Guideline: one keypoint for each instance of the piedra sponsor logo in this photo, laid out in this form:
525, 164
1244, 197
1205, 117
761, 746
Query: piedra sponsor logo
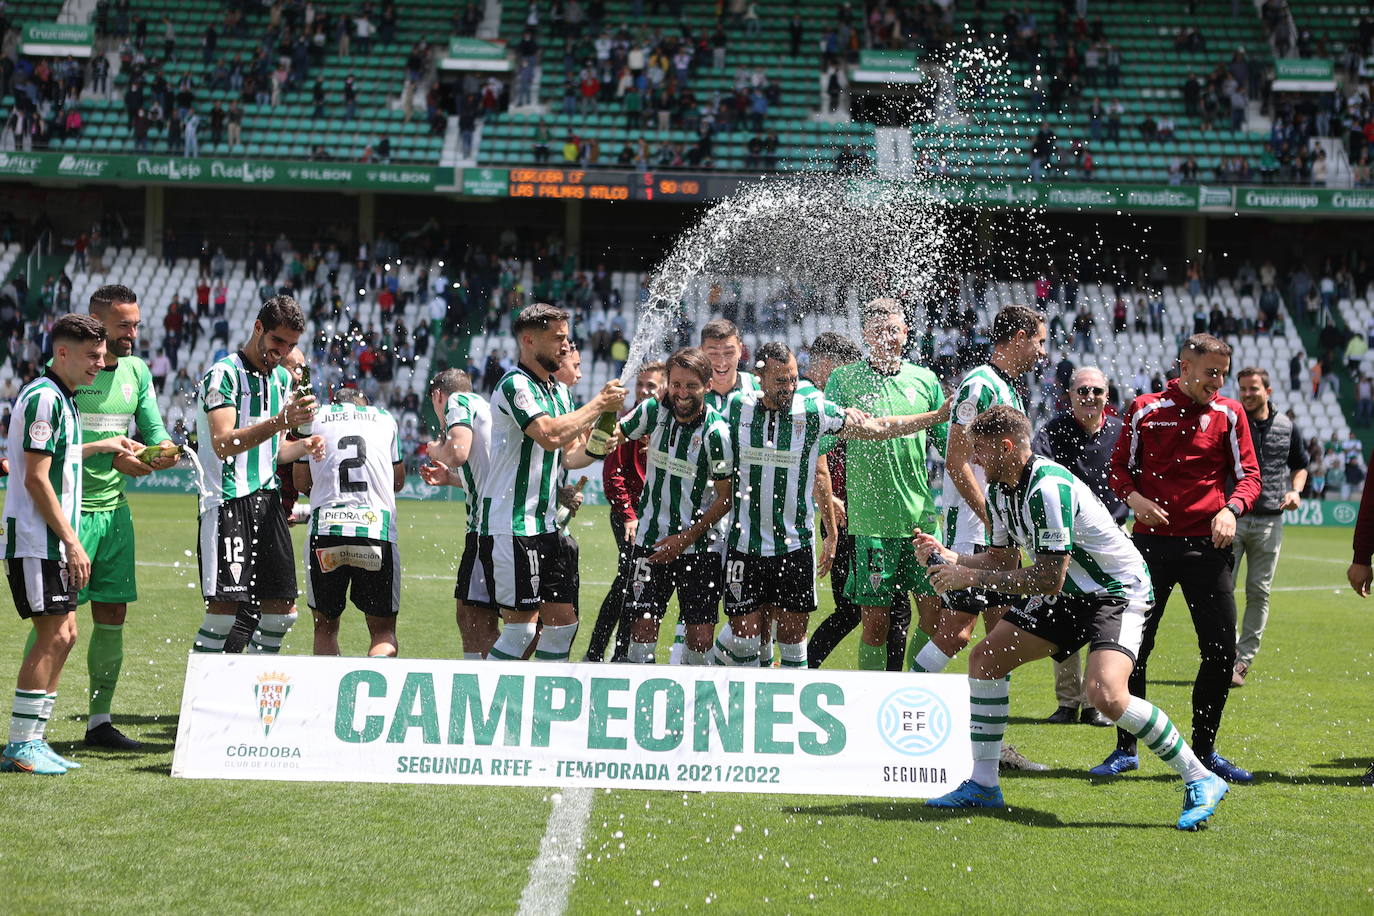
13, 164
82, 166
1288, 200
1224, 198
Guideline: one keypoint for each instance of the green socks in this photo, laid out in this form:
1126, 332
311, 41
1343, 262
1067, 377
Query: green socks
919, 638
104, 657
872, 658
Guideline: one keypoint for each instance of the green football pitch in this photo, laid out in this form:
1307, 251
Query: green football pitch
121, 834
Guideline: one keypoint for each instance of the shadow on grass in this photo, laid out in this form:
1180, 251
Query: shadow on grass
916, 811
157, 769
1342, 763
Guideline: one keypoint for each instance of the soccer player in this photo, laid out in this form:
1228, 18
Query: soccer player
519, 550
723, 346
1186, 466
244, 549
622, 477
1082, 439
460, 460
46, 564
121, 392
770, 574
687, 490
352, 546
889, 493
1259, 534
1018, 343
1087, 586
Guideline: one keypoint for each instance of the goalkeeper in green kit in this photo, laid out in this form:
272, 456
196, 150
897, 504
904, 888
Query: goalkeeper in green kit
122, 392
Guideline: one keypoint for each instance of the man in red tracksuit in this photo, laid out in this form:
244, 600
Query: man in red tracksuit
1361, 571
1186, 466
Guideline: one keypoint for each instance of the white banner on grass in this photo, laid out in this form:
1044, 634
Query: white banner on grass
533, 723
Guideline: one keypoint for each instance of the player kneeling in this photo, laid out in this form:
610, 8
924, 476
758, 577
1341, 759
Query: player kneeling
687, 489
1088, 586
353, 521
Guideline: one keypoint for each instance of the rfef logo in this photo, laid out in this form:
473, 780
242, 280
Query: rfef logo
914, 721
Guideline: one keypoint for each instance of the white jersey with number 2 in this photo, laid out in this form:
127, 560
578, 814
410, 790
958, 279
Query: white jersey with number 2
351, 491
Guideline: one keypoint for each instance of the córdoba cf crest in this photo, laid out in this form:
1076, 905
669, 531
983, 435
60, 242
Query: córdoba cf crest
271, 691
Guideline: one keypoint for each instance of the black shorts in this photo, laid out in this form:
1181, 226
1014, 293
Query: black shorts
527, 571
40, 587
369, 570
787, 582
245, 551
696, 577
1074, 621
474, 583
572, 556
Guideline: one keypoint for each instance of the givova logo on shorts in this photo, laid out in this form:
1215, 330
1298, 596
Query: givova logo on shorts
914, 721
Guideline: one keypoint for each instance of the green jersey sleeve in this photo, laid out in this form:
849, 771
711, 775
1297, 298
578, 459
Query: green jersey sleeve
42, 416
457, 412
219, 388
720, 451
973, 398
517, 400
146, 415
1052, 509
640, 420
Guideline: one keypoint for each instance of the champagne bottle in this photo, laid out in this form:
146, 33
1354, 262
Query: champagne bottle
148, 453
565, 513
599, 440
302, 389
966, 600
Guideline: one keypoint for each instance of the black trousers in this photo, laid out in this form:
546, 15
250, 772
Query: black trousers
846, 616
1207, 577
610, 620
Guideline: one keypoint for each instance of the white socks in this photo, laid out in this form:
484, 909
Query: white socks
987, 724
214, 630
514, 640
28, 716
555, 643
930, 660
272, 629
642, 653
1152, 727
793, 654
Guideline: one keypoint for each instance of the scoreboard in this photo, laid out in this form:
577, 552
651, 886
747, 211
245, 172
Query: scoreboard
539, 182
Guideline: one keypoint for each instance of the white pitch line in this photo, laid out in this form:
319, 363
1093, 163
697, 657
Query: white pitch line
551, 873
1295, 556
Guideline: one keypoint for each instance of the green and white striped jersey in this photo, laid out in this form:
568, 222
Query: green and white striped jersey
775, 468
233, 384
467, 408
744, 381
1052, 511
982, 387
352, 491
682, 461
520, 494
44, 421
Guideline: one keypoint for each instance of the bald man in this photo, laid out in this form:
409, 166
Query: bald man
1082, 438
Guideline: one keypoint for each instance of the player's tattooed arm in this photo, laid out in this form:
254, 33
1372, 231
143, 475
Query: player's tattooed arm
1043, 577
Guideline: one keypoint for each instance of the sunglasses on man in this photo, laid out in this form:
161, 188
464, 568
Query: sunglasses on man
1087, 391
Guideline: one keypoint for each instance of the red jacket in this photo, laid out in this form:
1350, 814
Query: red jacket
1186, 456
622, 477
1364, 526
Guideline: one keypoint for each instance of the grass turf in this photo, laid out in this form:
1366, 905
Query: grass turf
121, 834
